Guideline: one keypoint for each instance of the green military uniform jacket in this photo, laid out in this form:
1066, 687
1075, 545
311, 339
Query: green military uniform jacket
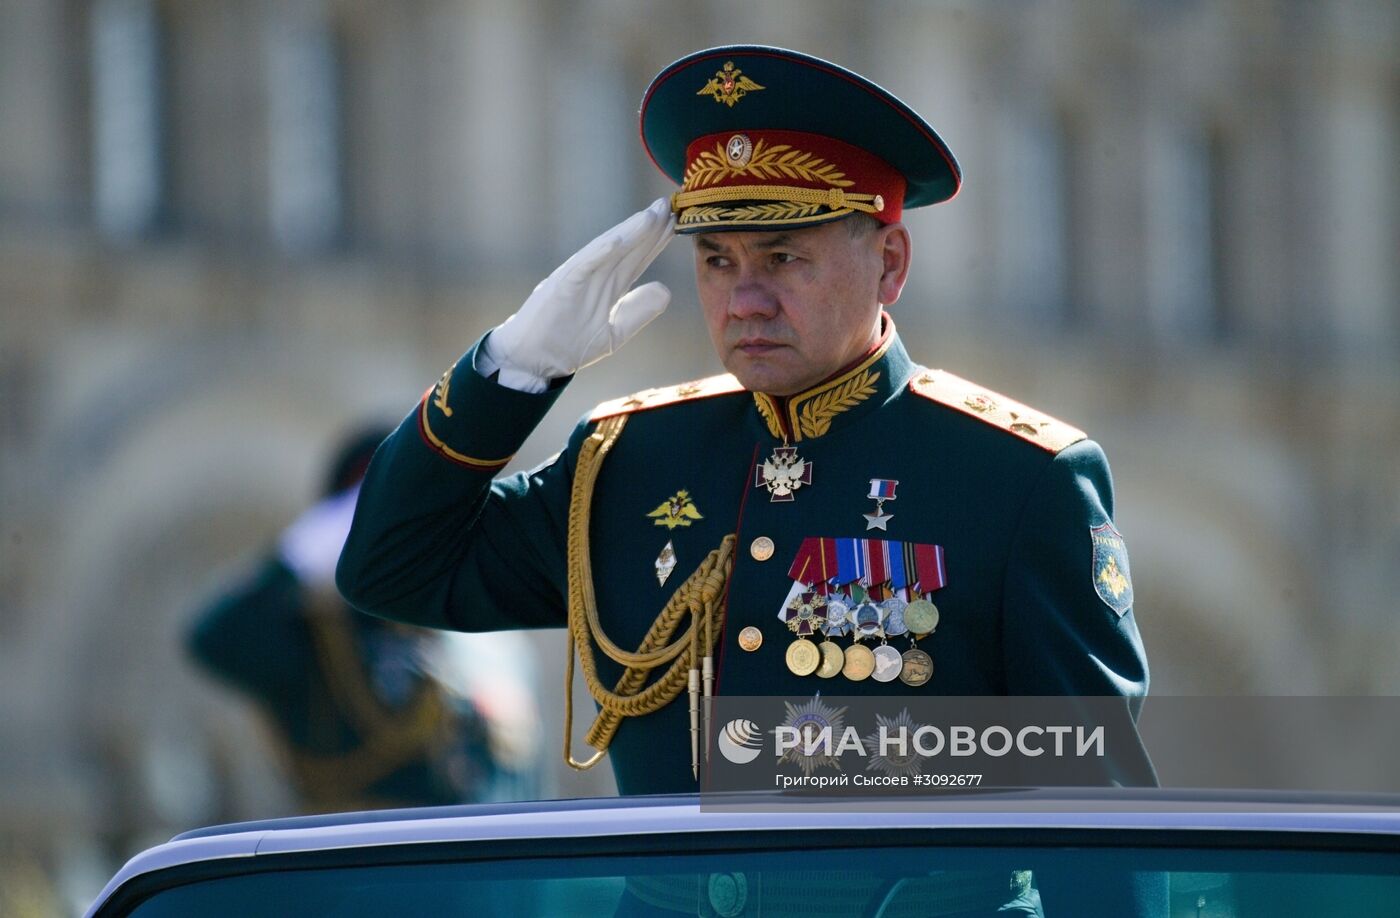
1015, 499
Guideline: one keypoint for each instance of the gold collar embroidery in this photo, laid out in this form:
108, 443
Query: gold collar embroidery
808, 414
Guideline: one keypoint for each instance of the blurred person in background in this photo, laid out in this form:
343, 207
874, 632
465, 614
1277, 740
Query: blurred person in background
365, 713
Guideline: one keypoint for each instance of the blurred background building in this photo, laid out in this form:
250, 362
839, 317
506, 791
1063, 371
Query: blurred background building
228, 228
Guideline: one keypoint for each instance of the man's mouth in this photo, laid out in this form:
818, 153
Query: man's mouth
757, 347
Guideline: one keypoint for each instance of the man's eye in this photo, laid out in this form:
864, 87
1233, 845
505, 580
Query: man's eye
783, 258
717, 261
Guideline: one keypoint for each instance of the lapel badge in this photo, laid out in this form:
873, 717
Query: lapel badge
677, 510
665, 563
782, 473
729, 85
1112, 581
881, 490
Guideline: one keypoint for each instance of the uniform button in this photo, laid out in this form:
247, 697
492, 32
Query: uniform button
761, 548
750, 638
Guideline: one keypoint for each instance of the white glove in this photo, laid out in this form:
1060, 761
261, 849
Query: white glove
583, 311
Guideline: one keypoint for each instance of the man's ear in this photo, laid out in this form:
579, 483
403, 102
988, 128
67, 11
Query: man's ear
895, 250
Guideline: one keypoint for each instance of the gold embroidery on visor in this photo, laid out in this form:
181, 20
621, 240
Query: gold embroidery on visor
799, 201
697, 202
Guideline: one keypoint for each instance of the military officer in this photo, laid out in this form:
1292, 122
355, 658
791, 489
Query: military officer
828, 515
354, 710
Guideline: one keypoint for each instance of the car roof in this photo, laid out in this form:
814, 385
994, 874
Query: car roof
1114, 809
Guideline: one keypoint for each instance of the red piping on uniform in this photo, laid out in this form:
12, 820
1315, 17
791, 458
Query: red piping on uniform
418, 410
738, 528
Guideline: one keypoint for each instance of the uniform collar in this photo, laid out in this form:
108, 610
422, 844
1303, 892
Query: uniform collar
845, 396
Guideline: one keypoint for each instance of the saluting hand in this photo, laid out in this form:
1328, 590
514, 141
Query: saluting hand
584, 310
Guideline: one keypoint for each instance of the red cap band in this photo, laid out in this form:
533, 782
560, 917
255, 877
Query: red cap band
796, 160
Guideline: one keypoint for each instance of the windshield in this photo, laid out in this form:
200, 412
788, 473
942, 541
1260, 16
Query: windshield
876, 882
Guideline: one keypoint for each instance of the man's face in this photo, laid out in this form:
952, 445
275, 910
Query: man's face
787, 309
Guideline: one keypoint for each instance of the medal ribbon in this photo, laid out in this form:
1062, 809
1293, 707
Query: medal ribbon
911, 571
928, 565
899, 577
882, 488
826, 557
804, 566
879, 561
850, 561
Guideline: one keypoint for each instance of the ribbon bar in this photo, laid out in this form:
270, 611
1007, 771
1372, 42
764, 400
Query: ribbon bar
882, 488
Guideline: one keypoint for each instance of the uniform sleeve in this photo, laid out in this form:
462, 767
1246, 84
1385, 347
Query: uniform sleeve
1065, 630
437, 541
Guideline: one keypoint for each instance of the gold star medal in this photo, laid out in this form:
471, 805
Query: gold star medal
881, 490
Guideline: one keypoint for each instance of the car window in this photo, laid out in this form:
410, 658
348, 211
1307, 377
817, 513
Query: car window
874, 882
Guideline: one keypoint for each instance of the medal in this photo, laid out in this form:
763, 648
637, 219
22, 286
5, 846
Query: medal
894, 616
867, 619
783, 473
750, 639
833, 659
761, 548
803, 657
921, 617
838, 618
859, 664
881, 490
917, 668
888, 664
804, 613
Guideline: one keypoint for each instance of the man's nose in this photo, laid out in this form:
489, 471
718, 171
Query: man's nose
751, 299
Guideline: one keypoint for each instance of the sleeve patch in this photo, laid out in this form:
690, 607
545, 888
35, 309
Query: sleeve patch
1112, 580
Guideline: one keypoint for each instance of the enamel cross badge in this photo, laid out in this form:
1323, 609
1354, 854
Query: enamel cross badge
783, 473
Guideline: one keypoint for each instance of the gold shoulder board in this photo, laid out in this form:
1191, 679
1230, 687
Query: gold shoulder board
667, 395
996, 409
